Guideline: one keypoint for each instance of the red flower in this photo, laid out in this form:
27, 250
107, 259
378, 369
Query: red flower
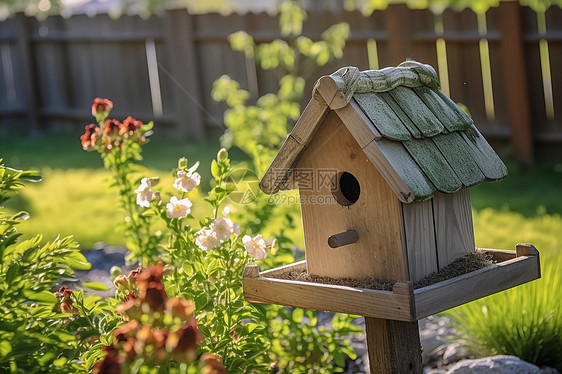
111, 363
111, 127
187, 338
90, 137
129, 126
101, 107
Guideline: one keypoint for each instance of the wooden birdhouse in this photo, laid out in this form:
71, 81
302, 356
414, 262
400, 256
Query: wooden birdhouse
383, 161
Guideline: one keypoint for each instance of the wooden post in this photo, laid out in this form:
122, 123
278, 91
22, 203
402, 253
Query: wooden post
515, 82
399, 35
183, 72
393, 346
25, 52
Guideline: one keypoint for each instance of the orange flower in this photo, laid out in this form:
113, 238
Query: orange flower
131, 308
67, 307
152, 274
111, 127
121, 334
154, 295
185, 342
90, 137
64, 292
211, 364
129, 126
101, 108
181, 308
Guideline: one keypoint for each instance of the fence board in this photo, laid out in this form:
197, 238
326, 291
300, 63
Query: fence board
463, 57
554, 26
533, 65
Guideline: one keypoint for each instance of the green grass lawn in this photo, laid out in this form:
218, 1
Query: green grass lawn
74, 197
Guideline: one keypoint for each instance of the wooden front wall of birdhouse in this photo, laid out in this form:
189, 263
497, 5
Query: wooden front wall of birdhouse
375, 216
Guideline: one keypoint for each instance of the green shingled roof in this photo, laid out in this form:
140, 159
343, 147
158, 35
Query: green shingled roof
421, 137
407, 107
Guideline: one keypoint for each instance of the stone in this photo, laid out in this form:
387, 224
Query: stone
494, 365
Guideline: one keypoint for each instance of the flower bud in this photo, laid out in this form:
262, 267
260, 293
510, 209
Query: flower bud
274, 247
182, 163
121, 283
157, 197
115, 271
154, 181
222, 155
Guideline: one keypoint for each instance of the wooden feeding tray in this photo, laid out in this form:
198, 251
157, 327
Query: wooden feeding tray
403, 303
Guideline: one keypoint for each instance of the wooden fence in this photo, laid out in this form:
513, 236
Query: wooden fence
504, 66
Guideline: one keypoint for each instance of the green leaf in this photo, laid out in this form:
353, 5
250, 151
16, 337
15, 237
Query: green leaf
20, 216
79, 265
40, 297
97, 286
297, 315
215, 169
148, 213
31, 176
5, 348
12, 272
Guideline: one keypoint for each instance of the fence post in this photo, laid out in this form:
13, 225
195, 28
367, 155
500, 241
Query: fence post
23, 45
515, 82
398, 20
183, 71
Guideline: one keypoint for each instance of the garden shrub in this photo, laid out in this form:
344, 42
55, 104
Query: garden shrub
38, 331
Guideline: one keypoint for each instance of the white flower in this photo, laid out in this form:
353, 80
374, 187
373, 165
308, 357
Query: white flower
144, 193
236, 226
188, 180
178, 208
206, 239
255, 246
223, 227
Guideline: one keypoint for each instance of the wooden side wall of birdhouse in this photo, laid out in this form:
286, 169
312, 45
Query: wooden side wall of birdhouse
376, 216
437, 232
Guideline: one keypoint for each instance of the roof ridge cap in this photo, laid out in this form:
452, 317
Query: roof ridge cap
349, 80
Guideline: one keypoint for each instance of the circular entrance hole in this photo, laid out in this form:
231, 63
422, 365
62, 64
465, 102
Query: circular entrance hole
346, 189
